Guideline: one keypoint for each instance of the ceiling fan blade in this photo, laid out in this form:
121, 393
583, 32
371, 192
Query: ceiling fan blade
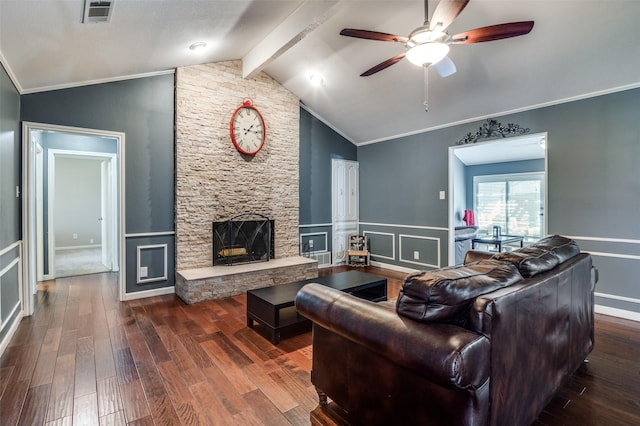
493, 32
445, 67
445, 13
382, 65
372, 35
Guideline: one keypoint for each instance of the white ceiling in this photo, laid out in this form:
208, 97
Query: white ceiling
520, 148
577, 48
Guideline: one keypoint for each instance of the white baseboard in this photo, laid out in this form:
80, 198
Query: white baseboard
620, 313
7, 338
149, 293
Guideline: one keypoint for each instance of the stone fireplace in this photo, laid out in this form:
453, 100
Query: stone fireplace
214, 181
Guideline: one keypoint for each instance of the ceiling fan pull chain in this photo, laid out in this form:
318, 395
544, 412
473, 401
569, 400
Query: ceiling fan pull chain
426, 88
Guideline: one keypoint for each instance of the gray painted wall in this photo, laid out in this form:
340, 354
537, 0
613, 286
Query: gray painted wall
593, 185
319, 144
144, 110
10, 205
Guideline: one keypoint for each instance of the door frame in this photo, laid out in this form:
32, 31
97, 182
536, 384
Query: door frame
29, 203
108, 190
499, 142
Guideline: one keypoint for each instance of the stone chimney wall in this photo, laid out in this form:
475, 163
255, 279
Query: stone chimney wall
213, 180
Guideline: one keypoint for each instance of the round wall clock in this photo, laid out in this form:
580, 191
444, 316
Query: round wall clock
248, 132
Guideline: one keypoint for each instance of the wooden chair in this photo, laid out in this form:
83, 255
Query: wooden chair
358, 252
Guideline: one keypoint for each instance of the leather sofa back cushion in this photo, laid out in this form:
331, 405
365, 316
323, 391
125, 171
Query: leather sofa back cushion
542, 256
445, 295
530, 260
562, 247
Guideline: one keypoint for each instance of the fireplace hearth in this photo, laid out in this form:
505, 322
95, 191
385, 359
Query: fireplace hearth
245, 238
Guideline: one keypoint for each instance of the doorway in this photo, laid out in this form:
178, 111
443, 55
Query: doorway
78, 235
73, 188
509, 156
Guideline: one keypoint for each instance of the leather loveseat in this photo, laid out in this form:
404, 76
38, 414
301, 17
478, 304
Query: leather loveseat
488, 342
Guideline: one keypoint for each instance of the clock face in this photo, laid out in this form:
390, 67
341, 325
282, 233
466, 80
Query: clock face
247, 129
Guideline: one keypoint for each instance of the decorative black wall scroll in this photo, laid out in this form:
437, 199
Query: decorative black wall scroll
492, 129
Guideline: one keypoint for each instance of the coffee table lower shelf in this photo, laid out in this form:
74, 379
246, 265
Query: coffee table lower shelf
273, 307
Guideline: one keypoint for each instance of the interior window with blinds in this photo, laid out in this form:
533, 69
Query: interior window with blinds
515, 202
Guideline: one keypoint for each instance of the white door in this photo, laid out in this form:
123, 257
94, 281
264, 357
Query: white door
345, 215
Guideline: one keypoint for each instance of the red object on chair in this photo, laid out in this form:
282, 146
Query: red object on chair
469, 218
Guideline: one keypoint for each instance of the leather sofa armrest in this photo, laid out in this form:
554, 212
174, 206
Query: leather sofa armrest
475, 255
443, 353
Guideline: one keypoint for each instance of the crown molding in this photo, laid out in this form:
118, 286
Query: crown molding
97, 81
12, 76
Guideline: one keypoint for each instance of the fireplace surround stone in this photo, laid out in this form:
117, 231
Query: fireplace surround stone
200, 284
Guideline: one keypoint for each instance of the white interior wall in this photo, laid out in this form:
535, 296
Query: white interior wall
77, 202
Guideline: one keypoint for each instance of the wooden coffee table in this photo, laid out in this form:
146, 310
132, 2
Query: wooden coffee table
273, 307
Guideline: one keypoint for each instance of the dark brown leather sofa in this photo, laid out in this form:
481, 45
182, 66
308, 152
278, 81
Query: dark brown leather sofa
488, 342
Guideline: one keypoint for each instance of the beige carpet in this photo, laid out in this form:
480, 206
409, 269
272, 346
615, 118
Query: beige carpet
79, 262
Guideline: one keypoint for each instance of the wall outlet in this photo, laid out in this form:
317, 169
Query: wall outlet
75, 236
91, 241
416, 255
443, 195
144, 272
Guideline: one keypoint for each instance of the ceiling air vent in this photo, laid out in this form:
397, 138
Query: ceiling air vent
97, 11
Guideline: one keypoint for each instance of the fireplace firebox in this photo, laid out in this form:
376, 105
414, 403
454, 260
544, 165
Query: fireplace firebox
245, 238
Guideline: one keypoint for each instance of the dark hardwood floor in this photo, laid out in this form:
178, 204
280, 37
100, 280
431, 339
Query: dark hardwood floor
84, 358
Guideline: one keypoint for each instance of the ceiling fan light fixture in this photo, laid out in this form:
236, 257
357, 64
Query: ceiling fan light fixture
427, 53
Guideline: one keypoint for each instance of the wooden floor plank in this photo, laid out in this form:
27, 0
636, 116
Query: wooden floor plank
158, 400
233, 372
272, 389
113, 419
5, 376
109, 400
102, 367
61, 398
125, 366
34, 411
12, 401
225, 391
209, 406
264, 409
134, 401
85, 410
105, 364
44, 369
85, 374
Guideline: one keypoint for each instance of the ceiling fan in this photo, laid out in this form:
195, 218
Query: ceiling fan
428, 45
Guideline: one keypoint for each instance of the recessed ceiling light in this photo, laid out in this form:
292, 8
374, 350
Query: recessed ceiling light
316, 80
198, 46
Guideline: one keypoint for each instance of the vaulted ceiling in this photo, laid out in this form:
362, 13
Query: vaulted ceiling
577, 48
